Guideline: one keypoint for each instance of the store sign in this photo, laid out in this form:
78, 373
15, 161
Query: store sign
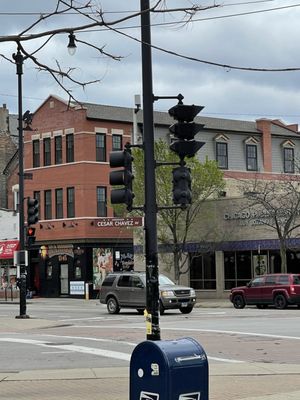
7, 248
119, 222
77, 287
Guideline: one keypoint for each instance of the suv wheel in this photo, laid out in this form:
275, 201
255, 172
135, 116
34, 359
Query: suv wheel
161, 309
280, 302
112, 306
186, 310
238, 301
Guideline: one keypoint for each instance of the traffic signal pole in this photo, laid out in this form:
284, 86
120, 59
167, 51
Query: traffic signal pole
152, 285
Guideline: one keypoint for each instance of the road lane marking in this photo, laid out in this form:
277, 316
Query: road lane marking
268, 335
78, 349
90, 350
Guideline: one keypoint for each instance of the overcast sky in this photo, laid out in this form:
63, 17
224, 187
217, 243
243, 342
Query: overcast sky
239, 33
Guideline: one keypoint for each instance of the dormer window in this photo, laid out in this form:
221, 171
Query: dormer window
222, 151
251, 157
288, 160
288, 157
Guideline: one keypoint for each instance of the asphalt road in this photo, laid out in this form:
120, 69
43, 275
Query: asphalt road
81, 334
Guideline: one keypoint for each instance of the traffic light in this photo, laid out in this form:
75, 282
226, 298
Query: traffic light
30, 234
185, 129
122, 177
32, 211
182, 192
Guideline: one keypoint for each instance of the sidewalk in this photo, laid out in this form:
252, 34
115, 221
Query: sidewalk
227, 382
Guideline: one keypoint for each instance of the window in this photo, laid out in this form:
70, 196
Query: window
47, 205
125, 281
203, 271
37, 196
70, 148
251, 157
100, 147
116, 142
222, 155
257, 282
59, 203
237, 268
47, 151
36, 153
270, 280
58, 149
101, 202
288, 157
283, 280
70, 202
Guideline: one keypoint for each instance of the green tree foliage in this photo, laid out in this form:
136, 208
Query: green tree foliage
174, 225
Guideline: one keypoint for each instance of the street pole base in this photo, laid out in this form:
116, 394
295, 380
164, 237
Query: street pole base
24, 316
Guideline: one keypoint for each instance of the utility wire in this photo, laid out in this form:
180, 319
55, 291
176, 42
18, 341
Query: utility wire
215, 64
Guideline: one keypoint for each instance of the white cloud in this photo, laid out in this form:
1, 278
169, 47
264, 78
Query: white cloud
266, 39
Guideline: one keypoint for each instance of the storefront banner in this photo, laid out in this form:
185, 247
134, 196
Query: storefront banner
8, 247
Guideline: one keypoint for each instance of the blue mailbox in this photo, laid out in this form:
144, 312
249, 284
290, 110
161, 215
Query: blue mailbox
169, 370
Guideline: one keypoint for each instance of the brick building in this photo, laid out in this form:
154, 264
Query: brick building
67, 153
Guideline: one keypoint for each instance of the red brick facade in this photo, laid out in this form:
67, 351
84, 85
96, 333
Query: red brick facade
55, 118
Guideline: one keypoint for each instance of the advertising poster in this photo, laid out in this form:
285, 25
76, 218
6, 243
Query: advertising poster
102, 265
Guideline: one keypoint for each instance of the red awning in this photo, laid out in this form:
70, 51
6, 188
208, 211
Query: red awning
7, 248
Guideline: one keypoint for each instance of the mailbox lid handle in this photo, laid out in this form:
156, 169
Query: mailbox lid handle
191, 358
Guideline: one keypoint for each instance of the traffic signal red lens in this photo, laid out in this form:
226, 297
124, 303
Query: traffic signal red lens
30, 231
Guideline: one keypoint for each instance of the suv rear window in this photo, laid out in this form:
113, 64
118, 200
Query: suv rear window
109, 280
296, 280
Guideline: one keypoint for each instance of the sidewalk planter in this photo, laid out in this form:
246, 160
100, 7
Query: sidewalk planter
168, 370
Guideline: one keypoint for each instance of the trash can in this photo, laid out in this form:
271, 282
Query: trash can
169, 370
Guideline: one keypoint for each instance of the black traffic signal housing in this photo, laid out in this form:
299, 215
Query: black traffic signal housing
182, 191
30, 235
122, 177
32, 211
185, 129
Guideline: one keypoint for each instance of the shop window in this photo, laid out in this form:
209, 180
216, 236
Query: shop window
78, 270
237, 268
203, 271
49, 271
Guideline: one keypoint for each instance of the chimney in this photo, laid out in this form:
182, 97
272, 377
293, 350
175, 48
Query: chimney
264, 126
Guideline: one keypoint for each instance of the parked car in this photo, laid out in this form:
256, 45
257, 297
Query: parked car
128, 290
279, 290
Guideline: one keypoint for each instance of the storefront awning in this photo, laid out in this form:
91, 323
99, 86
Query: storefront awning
7, 248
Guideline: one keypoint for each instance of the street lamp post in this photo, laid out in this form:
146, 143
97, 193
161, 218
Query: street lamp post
18, 57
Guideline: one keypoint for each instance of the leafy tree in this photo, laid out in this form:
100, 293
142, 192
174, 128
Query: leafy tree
174, 225
276, 205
